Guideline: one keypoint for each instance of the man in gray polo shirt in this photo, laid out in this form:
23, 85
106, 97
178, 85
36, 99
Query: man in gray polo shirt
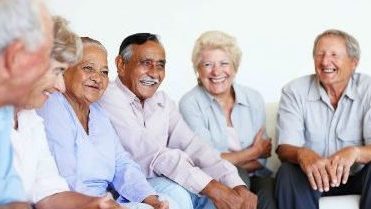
324, 128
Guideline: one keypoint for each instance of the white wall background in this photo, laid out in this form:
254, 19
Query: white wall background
276, 36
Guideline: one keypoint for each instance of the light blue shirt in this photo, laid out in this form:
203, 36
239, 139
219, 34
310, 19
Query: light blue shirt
11, 188
90, 163
306, 117
205, 116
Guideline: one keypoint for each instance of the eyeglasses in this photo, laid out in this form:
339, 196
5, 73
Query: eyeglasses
212, 65
91, 70
150, 63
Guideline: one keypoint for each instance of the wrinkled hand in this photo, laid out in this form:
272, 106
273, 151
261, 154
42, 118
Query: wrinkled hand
341, 162
222, 196
316, 168
263, 146
250, 200
153, 201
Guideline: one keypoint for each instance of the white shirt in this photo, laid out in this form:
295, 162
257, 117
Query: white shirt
33, 161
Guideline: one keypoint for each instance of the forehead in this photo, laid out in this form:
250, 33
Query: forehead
94, 53
331, 42
214, 54
149, 49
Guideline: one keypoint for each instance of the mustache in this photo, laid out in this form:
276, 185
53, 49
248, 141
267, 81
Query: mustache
148, 79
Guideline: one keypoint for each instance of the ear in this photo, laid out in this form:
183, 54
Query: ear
13, 57
120, 65
354, 64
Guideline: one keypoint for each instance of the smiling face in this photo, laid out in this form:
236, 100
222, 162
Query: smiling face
144, 71
333, 65
51, 81
87, 81
216, 71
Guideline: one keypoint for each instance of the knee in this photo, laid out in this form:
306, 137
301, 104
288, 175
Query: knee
289, 174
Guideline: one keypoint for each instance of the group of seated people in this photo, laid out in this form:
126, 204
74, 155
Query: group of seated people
70, 139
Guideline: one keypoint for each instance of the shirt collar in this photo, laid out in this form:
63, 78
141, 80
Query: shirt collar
316, 91
156, 98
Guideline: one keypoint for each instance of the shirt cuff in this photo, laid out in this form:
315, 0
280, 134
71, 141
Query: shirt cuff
197, 181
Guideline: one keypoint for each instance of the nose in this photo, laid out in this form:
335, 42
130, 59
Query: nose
152, 71
216, 69
326, 59
59, 84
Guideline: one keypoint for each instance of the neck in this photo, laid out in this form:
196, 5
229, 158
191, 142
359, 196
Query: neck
335, 92
226, 101
81, 108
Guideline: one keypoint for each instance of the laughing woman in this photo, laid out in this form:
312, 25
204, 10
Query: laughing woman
229, 116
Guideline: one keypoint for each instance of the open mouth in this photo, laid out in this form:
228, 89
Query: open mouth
328, 70
217, 80
149, 81
93, 86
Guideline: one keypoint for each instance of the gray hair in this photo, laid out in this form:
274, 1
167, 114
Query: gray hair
125, 50
216, 40
90, 41
67, 46
351, 44
20, 19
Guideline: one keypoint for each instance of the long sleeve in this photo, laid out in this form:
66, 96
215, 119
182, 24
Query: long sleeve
129, 180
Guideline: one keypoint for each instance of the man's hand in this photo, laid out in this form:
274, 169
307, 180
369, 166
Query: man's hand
316, 168
222, 196
153, 201
250, 200
341, 162
263, 146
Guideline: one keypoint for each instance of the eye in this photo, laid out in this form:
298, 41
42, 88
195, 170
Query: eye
104, 72
207, 64
58, 70
88, 69
147, 63
224, 64
160, 66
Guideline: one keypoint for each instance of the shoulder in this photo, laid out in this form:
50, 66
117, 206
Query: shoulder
248, 95
303, 82
195, 95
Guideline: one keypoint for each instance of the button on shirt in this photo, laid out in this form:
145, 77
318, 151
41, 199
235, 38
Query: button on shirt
11, 188
307, 118
205, 116
33, 161
91, 162
162, 143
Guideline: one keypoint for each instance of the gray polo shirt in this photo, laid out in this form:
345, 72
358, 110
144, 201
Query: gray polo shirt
307, 118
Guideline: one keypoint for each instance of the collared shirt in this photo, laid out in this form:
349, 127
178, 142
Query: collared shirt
307, 118
91, 162
162, 143
33, 161
206, 117
11, 188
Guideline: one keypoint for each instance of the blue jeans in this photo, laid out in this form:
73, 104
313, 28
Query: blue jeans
179, 197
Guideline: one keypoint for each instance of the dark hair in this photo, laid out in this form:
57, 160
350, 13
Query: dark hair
137, 38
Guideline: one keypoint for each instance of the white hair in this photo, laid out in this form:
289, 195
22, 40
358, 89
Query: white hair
20, 19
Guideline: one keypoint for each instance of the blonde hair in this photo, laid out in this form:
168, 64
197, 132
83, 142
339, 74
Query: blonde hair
216, 40
67, 46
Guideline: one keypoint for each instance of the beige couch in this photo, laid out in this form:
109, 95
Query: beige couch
336, 202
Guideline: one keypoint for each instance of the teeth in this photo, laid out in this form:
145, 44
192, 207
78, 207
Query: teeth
218, 80
329, 70
149, 82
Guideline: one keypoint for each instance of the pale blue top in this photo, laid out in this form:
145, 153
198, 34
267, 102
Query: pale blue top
91, 162
205, 116
306, 117
11, 188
